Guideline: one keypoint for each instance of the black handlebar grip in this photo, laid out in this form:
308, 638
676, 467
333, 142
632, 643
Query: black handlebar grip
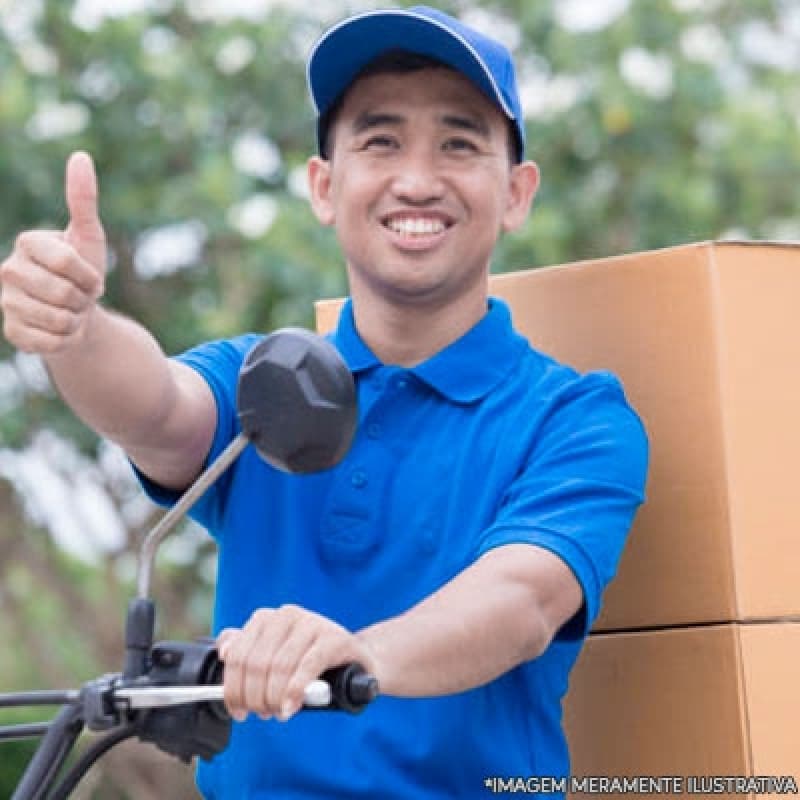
352, 688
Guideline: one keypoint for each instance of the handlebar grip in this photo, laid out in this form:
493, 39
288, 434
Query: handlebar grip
352, 688
177, 664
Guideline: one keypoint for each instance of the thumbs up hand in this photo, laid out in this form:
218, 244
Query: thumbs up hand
50, 284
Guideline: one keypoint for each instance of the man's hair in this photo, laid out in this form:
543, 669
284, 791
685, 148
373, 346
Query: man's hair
393, 62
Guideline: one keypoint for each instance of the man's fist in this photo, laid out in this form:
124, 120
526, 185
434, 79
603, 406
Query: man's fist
50, 284
270, 661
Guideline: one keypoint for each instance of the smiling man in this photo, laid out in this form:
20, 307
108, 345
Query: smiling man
419, 183
460, 550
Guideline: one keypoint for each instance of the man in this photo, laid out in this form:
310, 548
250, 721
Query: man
460, 550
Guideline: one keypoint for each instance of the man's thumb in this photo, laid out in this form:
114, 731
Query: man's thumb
85, 231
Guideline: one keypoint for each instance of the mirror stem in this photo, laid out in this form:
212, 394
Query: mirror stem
179, 510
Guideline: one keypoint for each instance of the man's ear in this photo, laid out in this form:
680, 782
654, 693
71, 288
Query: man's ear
319, 182
522, 189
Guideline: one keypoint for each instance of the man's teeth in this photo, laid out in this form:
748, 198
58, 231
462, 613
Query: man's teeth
416, 227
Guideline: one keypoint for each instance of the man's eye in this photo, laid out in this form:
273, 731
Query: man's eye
459, 144
379, 142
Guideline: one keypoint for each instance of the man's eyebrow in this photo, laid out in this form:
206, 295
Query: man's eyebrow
370, 119
474, 124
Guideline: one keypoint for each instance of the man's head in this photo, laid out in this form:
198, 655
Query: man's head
398, 40
426, 131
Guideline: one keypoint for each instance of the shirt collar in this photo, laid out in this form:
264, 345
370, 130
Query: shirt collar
469, 368
355, 352
464, 371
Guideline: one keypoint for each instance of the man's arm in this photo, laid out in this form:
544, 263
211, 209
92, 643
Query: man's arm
120, 383
499, 612
109, 369
502, 611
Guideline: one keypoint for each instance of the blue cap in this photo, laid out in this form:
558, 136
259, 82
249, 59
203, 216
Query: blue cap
342, 52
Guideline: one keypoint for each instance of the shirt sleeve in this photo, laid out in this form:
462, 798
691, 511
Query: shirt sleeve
579, 491
218, 363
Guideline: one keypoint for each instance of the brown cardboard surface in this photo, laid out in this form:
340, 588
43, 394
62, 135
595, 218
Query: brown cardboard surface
706, 339
758, 343
718, 701
771, 668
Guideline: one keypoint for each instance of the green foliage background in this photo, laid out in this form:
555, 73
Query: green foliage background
623, 170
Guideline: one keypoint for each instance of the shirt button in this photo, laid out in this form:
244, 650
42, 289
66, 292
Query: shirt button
402, 383
359, 479
374, 430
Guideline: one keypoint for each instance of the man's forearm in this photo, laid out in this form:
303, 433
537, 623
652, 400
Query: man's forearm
500, 612
120, 383
116, 380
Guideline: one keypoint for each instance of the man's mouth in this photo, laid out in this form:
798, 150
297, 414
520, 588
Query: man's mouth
416, 226
417, 230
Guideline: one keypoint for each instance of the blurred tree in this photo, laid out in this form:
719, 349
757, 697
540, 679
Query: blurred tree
674, 121
654, 123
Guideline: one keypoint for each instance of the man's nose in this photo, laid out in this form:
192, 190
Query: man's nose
418, 181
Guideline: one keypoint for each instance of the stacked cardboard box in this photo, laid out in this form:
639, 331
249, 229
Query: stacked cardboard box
693, 668
717, 700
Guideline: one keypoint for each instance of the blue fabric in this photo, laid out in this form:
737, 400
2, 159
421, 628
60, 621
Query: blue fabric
487, 443
344, 50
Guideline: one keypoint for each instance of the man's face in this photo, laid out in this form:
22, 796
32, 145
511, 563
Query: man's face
419, 186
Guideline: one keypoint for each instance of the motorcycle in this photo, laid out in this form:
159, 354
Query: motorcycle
296, 404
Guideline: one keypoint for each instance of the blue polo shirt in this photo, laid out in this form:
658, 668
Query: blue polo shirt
487, 443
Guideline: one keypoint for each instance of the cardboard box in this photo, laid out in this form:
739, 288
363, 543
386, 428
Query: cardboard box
706, 339
719, 700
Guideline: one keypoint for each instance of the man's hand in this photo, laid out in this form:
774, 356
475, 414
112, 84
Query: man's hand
50, 284
270, 661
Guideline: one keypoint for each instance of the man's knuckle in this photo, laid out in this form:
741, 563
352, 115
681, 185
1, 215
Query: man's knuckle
57, 320
6, 302
69, 297
61, 262
259, 620
291, 612
14, 328
72, 324
313, 664
259, 663
295, 692
97, 285
282, 667
9, 329
23, 241
9, 270
234, 660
